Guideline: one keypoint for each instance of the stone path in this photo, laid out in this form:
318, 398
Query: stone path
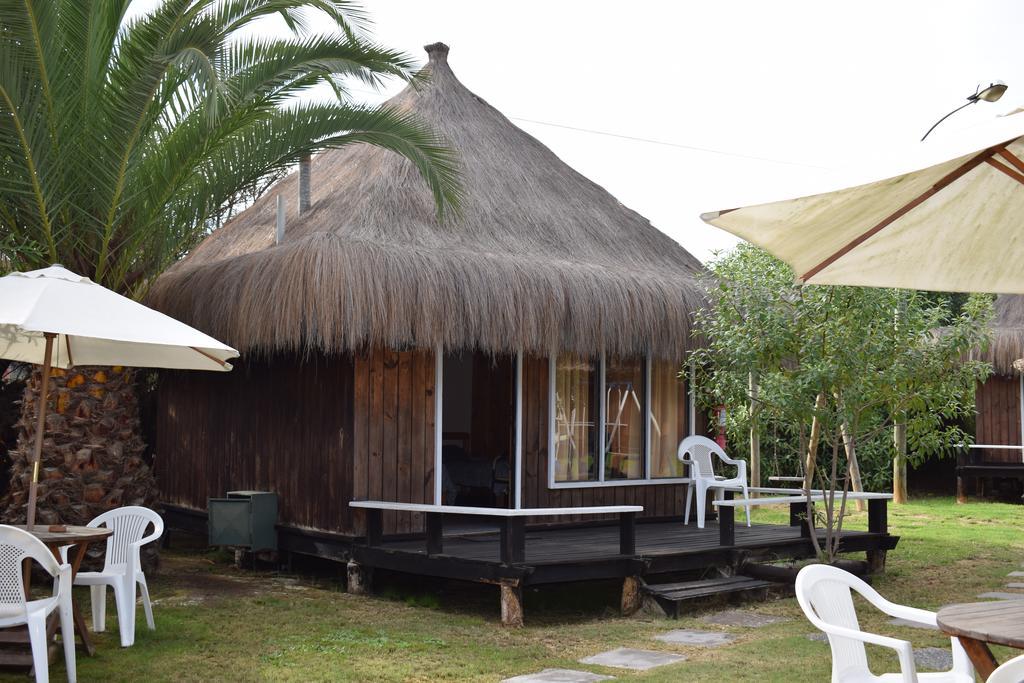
696, 638
735, 617
642, 660
559, 676
1001, 595
926, 658
629, 658
912, 624
934, 658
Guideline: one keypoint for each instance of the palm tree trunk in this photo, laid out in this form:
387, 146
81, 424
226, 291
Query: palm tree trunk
92, 448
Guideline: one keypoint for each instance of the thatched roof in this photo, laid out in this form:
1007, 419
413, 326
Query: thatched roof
540, 259
1007, 340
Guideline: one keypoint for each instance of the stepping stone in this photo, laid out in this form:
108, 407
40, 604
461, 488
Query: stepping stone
559, 676
698, 638
1016, 574
628, 658
819, 637
1015, 584
735, 617
1001, 595
934, 658
912, 624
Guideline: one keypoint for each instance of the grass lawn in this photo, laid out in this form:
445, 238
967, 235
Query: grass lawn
216, 623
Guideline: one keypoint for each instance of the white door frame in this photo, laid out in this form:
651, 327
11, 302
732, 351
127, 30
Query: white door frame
517, 493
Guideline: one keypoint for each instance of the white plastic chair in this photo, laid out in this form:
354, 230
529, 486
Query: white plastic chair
15, 609
122, 569
1011, 671
696, 451
825, 595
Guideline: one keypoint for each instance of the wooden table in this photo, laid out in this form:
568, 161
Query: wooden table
977, 624
80, 537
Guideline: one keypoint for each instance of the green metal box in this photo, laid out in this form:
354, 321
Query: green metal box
244, 518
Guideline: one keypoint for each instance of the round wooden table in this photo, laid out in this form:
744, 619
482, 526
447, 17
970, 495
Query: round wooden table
977, 624
80, 537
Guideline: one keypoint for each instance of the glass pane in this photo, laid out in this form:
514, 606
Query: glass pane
624, 418
669, 413
576, 404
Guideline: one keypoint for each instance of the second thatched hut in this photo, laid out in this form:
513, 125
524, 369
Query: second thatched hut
999, 434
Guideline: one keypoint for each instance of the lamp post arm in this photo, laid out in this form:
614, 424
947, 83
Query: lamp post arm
970, 101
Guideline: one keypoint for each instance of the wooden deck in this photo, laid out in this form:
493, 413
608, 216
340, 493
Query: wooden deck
592, 552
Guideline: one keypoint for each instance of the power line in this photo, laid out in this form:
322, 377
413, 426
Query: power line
633, 138
649, 141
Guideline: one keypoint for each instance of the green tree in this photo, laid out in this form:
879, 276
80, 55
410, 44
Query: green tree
125, 135
839, 367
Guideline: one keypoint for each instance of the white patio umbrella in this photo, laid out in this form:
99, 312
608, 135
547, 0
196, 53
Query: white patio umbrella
948, 218
55, 318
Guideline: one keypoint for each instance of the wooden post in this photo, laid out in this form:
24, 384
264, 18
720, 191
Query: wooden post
374, 526
878, 516
511, 603
434, 522
37, 451
755, 435
726, 522
631, 600
878, 523
360, 579
627, 533
513, 540
798, 517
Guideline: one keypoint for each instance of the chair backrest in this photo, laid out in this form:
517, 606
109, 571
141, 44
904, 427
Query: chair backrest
15, 547
825, 594
1011, 671
129, 525
698, 449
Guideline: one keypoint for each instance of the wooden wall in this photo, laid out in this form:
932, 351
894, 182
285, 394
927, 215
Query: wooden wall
283, 426
998, 420
325, 431
394, 433
659, 500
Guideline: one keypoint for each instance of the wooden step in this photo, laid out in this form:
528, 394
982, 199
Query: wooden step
669, 596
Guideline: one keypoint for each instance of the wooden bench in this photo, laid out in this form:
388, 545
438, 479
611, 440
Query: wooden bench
513, 523
878, 511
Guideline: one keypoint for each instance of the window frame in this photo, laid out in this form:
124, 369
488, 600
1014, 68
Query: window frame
646, 479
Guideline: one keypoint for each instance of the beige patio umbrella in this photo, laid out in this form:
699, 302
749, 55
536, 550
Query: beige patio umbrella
949, 218
55, 318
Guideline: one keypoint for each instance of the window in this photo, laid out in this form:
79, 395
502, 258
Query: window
575, 404
624, 389
669, 407
615, 421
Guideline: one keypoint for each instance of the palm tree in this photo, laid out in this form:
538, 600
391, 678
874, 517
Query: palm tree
125, 134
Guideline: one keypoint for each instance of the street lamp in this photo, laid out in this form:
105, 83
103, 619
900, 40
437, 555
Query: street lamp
990, 94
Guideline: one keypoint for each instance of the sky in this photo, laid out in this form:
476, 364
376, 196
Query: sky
793, 96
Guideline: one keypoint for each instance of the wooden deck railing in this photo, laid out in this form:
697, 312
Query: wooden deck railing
513, 523
878, 511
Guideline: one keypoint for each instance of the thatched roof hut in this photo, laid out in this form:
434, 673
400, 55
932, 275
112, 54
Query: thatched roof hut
541, 258
1007, 341
525, 354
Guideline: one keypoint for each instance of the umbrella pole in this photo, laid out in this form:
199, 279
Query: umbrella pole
40, 426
